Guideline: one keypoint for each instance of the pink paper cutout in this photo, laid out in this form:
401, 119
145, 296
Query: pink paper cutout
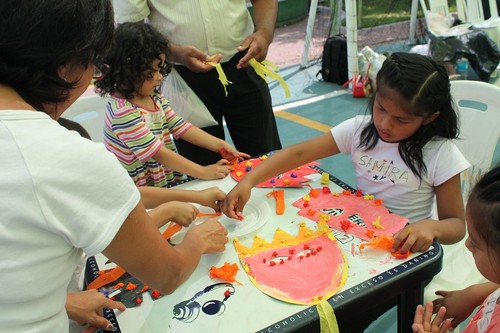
285, 273
357, 215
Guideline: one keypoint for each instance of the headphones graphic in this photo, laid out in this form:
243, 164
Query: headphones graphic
188, 311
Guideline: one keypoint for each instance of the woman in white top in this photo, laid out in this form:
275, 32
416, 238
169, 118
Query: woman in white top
63, 195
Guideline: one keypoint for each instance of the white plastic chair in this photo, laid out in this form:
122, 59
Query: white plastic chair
438, 19
478, 105
435, 6
493, 8
89, 112
471, 11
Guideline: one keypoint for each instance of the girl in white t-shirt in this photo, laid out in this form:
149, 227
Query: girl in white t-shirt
483, 212
401, 153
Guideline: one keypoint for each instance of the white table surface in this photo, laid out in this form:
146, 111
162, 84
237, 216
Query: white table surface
248, 309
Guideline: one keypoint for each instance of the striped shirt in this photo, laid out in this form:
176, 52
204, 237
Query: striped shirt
135, 134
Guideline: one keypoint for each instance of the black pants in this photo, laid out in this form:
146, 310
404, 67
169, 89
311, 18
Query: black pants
247, 110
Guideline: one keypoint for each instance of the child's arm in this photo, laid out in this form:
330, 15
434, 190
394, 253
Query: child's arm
449, 229
200, 138
459, 304
154, 261
211, 197
181, 164
169, 204
181, 213
155, 196
281, 161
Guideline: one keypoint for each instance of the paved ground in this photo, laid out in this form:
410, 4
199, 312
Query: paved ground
288, 43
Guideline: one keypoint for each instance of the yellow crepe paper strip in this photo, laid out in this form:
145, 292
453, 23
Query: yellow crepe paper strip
378, 223
222, 76
327, 320
282, 238
267, 68
261, 68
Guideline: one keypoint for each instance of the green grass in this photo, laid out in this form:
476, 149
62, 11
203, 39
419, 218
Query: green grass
380, 12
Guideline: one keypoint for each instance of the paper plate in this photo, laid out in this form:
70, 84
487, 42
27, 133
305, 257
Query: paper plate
256, 213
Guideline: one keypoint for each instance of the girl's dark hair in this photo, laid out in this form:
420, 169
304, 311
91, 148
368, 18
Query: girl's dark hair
130, 58
38, 37
425, 85
484, 206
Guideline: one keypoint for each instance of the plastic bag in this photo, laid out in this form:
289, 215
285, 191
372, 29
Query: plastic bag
474, 45
371, 64
185, 102
361, 85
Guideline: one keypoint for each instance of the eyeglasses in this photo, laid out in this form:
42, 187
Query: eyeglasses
100, 68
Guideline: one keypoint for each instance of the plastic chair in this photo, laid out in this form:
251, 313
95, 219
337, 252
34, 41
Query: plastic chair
493, 8
474, 13
441, 24
471, 11
479, 111
89, 112
477, 42
435, 6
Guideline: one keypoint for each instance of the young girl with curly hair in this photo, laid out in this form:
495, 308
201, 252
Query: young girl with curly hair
139, 121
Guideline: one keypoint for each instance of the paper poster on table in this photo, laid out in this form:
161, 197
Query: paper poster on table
358, 214
292, 178
302, 269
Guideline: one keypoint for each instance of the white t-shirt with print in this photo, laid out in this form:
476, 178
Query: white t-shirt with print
382, 172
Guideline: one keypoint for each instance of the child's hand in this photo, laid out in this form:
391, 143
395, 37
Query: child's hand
182, 213
179, 212
229, 153
211, 197
416, 237
423, 322
210, 234
216, 171
235, 201
457, 303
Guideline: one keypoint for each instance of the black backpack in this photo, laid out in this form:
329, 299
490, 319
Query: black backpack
334, 60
